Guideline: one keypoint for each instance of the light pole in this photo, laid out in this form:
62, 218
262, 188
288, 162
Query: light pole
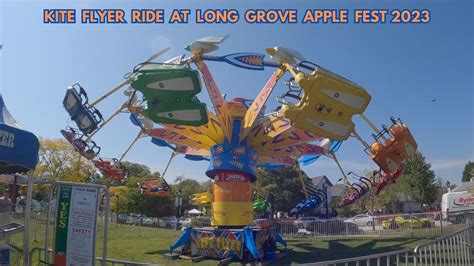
118, 202
178, 203
116, 209
326, 203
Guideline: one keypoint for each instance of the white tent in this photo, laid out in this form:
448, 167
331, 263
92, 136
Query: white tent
194, 211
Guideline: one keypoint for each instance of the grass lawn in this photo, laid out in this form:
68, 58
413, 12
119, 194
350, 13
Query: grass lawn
149, 245
142, 244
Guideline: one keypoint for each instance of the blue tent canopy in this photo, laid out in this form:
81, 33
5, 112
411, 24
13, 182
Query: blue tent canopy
18, 148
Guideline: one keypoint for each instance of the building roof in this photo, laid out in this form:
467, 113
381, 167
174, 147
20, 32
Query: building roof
337, 190
318, 180
464, 186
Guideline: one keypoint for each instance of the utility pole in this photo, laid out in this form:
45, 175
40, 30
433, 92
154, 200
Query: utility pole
178, 203
326, 204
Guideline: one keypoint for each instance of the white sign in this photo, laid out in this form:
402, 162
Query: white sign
82, 226
76, 226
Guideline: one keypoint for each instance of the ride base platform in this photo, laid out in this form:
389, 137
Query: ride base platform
248, 244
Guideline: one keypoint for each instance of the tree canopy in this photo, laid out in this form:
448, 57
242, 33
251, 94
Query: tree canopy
417, 183
284, 184
468, 172
420, 180
58, 160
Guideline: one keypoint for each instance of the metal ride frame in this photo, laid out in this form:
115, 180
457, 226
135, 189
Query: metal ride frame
54, 186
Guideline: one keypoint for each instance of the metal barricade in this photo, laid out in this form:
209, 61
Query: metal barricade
453, 249
37, 258
399, 257
420, 225
416, 225
14, 251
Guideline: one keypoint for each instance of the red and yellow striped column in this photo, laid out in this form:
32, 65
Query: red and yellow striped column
232, 206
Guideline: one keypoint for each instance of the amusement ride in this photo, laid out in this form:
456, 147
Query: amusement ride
314, 117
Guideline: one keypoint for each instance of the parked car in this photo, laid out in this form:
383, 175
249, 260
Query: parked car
185, 222
304, 221
263, 223
148, 221
20, 207
122, 218
137, 219
331, 227
361, 220
168, 222
408, 222
201, 221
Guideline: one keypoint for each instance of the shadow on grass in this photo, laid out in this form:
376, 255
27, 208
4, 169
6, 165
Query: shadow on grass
157, 252
343, 248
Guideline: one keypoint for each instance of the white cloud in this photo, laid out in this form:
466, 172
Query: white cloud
346, 165
449, 164
159, 43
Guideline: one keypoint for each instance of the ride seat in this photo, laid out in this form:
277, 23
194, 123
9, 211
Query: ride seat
170, 93
327, 105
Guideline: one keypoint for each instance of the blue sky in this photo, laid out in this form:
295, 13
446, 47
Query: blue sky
403, 66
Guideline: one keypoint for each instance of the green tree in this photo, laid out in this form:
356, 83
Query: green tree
136, 174
119, 197
419, 180
58, 160
149, 205
136, 169
285, 184
187, 187
468, 172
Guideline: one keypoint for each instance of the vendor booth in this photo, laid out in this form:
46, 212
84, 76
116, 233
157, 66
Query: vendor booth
18, 154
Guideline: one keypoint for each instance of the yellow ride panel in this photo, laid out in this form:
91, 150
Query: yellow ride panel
259, 102
175, 138
210, 133
232, 213
193, 151
328, 104
294, 151
201, 199
267, 128
220, 106
232, 191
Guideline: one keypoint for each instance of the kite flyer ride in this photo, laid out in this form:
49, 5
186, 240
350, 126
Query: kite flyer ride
315, 115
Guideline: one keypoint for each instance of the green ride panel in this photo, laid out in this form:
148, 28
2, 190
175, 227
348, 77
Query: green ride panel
170, 92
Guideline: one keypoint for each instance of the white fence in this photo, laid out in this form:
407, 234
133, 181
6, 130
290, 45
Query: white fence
399, 257
421, 225
453, 249
417, 225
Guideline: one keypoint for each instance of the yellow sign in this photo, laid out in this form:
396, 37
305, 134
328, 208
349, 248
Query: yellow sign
218, 243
